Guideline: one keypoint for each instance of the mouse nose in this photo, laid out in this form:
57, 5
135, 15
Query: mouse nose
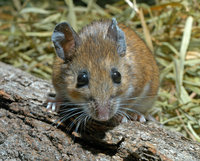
102, 113
102, 110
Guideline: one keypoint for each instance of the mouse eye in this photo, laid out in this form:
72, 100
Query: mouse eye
82, 79
116, 76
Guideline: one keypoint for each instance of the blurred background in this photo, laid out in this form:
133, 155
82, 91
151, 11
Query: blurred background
171, 29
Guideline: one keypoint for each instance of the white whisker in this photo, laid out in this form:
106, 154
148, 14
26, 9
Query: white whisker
130, 110
75, 121
66, 110
74, 104
85, 121
135, 98
126, 115
133, 104
120, 113
66, 117
81, 120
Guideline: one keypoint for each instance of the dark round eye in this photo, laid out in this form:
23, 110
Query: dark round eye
82, 79
116, 76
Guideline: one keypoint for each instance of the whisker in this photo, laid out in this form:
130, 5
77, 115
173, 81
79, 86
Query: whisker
68, 110
73, 115
74, 104
131, 110
135, 98
85, 122
81, 120
121, 114
66, 117
60, 119
67, 113
71, 103
75, 121
128, 104
126, 115
88, 120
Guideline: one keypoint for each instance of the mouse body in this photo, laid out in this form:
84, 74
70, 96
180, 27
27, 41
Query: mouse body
104, 71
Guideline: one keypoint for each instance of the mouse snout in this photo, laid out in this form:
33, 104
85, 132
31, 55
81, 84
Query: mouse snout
101, 110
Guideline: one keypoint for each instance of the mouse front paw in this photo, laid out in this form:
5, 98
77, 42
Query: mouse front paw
134, 117
52, 107
141, 118
138, 117
53, 104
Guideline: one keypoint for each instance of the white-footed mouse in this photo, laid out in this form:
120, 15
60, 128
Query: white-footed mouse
104, 71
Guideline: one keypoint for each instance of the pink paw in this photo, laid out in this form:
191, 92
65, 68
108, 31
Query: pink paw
52, 104
136, 117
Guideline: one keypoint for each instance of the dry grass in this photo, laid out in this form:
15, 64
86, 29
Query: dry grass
174, 27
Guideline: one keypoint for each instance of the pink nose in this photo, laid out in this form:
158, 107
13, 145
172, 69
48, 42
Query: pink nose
102, 113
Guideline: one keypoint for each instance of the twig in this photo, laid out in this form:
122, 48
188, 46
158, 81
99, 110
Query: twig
190, 134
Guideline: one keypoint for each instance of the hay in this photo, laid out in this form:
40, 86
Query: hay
174, 27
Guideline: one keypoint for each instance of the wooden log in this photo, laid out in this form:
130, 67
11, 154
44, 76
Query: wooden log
27, 131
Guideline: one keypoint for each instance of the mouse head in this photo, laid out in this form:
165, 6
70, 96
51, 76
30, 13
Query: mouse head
93, 71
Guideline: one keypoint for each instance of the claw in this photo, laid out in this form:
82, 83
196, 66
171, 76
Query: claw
48, 105
138, 117
53, 107
124, 119
142, 119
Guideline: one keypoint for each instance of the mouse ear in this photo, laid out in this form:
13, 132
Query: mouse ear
65, 39
117, 35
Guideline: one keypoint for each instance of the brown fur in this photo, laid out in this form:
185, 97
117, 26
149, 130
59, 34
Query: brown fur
98, 55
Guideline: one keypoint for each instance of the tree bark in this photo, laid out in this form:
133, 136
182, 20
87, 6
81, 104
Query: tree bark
27, 131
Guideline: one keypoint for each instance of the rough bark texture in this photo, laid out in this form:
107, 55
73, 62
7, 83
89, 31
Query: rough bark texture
27, 132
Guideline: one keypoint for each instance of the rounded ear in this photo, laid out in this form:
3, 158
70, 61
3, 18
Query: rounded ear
117, 35
65, 39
